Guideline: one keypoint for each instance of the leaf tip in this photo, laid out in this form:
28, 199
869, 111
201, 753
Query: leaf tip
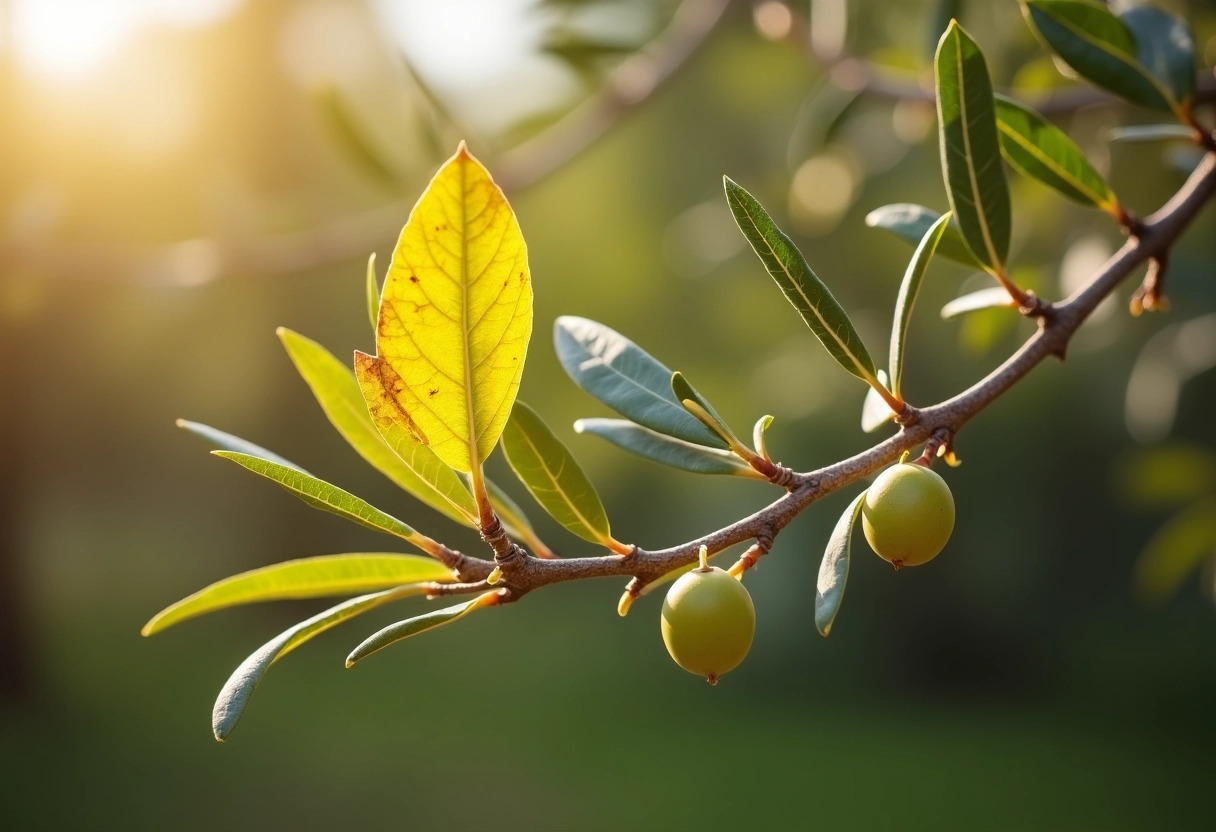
462, 151
181, 423
580, 425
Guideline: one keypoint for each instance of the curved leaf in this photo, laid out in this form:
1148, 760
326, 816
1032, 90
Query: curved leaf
1044, 152
685, 393
974, 301
761, 428
874, 411
235, 695
1165, 47
1099, 47
801, 286
975, 180
412, 466
625, 377
455, 318
551, 474
373, 292
909, 288
666, 450
418, 624
909, 222
1151, 133
228, 442
320, 494
834, 569
314, 577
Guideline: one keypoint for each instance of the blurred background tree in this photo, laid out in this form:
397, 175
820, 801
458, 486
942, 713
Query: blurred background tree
180, 177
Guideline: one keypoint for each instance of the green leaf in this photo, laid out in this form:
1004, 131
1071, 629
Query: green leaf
666, 450
1176, 550
228, 442
320, 494
373, 293
909, 222
909, 288
685, 393
408, 463
304, 578
1151, 133
235, 695
625, 377
834, 569
801, 286
975, 180
973, 302
875, 412
1044, 152
418, 624
1099, 47
1166, 475
760, 429
551, 474
353, 137
1165, 47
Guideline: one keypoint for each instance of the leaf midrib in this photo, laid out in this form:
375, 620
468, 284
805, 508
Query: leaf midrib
1051, 164
557, 484
980, 214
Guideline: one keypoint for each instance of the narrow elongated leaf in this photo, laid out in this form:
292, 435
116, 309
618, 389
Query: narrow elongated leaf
1044, 152
801, 286
1151, 133
314, 577
455, 318
909, 222
875, 412
1176, 550
392, 451
909, 288
625, 377
971, 153
667, 450
761, 428
235, 695
320, 494
834, 569
551, 474
1099, 47
228, 442
373, 292
418, 624
974, 301
685, 393
1165, 47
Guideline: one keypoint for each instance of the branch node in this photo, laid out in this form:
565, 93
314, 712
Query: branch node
907, 417
746, 561
783, 477
1150, 296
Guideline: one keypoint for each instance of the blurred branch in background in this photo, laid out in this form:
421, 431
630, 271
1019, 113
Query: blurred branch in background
190, 262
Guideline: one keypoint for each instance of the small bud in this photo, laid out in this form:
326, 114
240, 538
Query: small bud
494, 577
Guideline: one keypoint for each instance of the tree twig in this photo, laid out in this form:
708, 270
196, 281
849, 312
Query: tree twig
1056, 328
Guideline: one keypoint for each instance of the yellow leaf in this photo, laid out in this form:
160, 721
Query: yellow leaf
455, 318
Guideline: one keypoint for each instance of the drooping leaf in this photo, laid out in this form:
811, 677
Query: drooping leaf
875, 412
801, 286
834, 569
1099, 47
314, 577
666, 450
974, 301
228, 442
1044, 152
1151, 133
320, 494
235, 695
455, 318
909, 222
1176, 550
391, 451
970, 149
625, 377
1165, 47
373, 292
685, 393
909, 288
551, 474
418, 624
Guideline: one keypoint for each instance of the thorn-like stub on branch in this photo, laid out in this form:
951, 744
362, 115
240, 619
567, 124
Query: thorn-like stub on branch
1150, 296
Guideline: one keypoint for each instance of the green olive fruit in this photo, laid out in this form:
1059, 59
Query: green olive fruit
708, 622
908, 514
